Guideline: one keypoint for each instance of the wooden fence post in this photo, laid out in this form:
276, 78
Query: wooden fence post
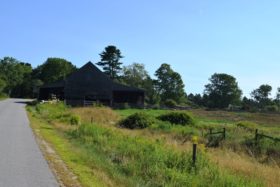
224, 133
194, 154
256, 136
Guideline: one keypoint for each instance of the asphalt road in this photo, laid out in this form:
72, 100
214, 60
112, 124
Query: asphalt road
21, 161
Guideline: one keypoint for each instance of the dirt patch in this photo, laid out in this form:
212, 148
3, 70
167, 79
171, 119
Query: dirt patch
64, 176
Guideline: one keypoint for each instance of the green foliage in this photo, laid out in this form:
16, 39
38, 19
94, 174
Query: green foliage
110, 61
138, 120
266, 147
170, 103
222, 90
271, 108
261, 95
136, 160
135, 75
53, 69
142, 162
248, 125
169, 84
2, 85
75, 120
15, 75
180, 118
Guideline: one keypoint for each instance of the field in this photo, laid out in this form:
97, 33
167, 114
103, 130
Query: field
101, 153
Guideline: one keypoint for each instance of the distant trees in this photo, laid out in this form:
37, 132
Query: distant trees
277, 98
18, 79
110, 61
14, 73
169, 84
261, 95
136, 75
53, 69
2, 85
222, 90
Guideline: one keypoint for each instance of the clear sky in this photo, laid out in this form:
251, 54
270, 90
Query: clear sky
197, 37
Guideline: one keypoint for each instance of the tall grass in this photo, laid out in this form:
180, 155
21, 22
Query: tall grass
138, 158
141, 162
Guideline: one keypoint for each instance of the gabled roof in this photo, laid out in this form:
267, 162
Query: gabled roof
103, 79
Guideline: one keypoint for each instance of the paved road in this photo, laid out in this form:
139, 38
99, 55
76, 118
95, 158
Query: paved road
21, 161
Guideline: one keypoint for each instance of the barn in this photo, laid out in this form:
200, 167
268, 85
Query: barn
87, 85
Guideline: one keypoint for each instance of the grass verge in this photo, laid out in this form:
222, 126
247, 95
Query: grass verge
103, 156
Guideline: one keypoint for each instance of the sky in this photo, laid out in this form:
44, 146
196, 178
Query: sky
196, 37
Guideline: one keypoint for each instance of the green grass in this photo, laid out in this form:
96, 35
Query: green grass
3, 96
126, 160
240, 130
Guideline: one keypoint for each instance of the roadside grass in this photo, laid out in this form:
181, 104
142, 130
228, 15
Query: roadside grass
3, 96
155, 156
73, 156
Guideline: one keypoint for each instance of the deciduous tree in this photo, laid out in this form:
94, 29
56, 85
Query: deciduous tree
169, 84
53, 69
222, 90
261, 95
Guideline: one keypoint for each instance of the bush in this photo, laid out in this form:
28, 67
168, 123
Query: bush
75, 120
247, 125
271, 108
170, 103
138, 120
180, 118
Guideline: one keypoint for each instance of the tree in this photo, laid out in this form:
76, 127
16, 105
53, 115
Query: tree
277, 99
222, 91
136, 75
2, 85
169, 84
110, 61
261, 95
196, 99
13, 72
53, 69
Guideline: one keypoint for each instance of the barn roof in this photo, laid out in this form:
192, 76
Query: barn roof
98, 75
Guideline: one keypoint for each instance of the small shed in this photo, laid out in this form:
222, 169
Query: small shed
88, 84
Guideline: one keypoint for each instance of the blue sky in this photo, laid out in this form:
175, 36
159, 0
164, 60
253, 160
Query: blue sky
197, 37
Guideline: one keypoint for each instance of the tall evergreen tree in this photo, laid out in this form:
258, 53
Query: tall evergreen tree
110, 61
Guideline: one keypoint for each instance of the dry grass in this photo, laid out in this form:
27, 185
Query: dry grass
246, 166
240, 164
269, 119
100, 115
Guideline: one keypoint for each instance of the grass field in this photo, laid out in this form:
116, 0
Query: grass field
101, 153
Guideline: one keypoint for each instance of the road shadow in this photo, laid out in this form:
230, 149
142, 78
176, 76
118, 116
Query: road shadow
25, 102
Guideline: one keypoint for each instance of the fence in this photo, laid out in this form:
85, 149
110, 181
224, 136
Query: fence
258, 136
223, 132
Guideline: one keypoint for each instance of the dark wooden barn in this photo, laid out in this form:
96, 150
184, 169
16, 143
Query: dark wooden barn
88, 84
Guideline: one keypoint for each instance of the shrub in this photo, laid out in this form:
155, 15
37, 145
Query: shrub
138, 120
247, 125
271, 108
170, 103
75, 120
180, 118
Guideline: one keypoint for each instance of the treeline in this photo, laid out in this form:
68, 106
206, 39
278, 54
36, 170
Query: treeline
19, 79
